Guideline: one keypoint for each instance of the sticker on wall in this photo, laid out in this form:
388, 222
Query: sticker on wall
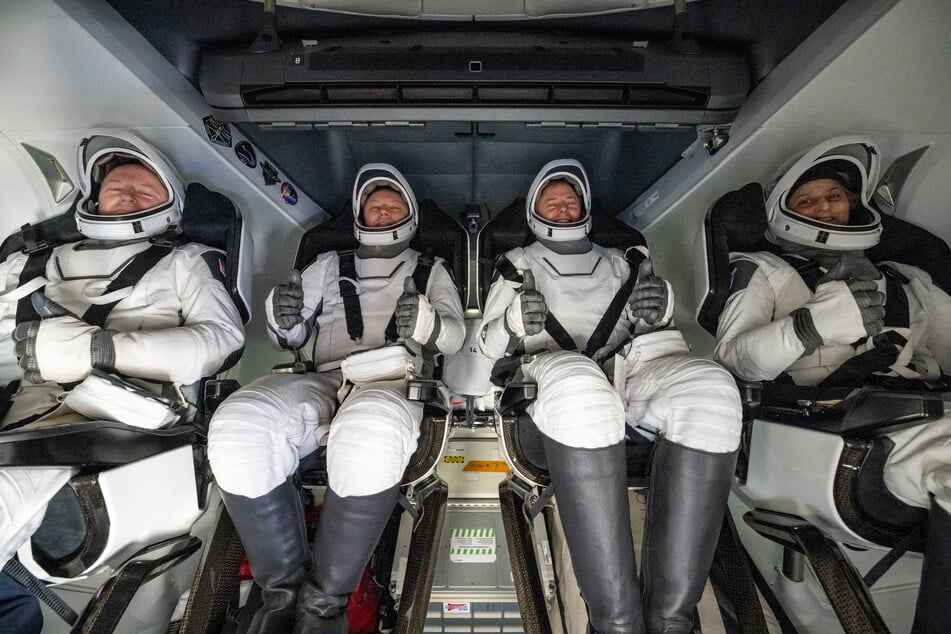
219, 132
474, 545
288, 193
269, 172
246, 154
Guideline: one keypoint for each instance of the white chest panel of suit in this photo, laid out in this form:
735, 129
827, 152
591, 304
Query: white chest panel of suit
578, 289
379, 284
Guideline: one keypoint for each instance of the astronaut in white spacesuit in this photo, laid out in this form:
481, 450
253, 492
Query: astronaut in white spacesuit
351, 301
563, 293
823, 314
116, 301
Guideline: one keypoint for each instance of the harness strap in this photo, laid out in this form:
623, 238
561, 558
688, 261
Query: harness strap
809, 270
896, 299
424, 266
612, 315
602, 332
347, 268
35, 267
25, 578
141, 264
913, 538
552, 326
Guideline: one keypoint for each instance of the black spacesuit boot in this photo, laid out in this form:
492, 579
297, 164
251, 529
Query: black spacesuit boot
347, 534
274, 535
591, 493
933, 611
685, 508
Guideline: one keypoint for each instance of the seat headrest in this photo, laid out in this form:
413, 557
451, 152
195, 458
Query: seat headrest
438, 234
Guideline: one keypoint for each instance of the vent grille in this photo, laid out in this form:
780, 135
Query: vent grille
632, 96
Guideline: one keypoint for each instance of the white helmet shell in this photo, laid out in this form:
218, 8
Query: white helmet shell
850, 158
98, 154
371, 176
573, 172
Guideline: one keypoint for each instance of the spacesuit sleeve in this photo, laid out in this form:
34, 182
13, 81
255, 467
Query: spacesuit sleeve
313, 281
495, 337
444, 298
750, 343
209, 333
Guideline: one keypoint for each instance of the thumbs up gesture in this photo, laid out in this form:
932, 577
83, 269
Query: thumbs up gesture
651, 296
528, 311
287, 302
415, 317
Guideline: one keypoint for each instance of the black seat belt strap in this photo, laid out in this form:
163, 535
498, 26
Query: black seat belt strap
347, 269
557, 332
25, 578
424, 266
34, 267
141, 264
896, 299
809, 270
552, 326
612, 315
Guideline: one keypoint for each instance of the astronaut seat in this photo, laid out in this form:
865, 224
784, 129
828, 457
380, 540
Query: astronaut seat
811, 460
423, 493
520, 439
544, 588
99, 523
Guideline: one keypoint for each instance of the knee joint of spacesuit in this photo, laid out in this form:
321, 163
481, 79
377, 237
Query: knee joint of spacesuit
703, 406
372, 439
576, 406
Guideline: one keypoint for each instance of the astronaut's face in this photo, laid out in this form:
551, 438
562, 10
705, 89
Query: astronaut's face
384, 207
823, 199
558, 202
130, 188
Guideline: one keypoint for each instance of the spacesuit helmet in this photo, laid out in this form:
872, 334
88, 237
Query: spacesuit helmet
571, 171
854, 163
371, 177
96, 157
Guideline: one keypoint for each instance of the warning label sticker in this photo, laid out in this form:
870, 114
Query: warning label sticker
469, 545
496, 466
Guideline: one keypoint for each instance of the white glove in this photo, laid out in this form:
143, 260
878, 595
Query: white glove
841, 310
415, 317
60, 347
527, 313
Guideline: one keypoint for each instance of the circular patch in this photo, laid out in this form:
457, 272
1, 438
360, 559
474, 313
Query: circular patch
288, 193
246, 154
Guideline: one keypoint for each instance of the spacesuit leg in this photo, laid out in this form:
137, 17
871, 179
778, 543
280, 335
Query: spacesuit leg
694, 407
256, 439
274, 535
918, 471
933, 610
372, 439
24, 494
582, 423
685, 506
591, 493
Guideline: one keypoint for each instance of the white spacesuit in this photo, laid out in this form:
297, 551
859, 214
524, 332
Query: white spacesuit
586, 298
117, 302
259, 435
825, 315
